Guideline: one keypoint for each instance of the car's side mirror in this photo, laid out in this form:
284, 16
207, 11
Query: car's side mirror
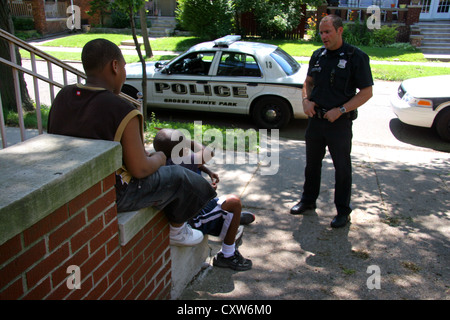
166, 70
163, 66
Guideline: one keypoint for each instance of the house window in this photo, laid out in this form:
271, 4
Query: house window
443, 6
426, 6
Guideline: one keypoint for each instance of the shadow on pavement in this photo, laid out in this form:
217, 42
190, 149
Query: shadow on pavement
418, 136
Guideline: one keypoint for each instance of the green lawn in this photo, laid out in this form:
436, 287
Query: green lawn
402, 72
79, 40
296, 48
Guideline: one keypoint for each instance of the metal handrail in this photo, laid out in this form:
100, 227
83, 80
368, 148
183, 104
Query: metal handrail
13, 42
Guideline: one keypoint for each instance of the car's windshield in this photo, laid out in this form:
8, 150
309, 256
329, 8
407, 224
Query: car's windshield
286, 62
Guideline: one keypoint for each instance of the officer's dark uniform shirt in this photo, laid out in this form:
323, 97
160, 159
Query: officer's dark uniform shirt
337, 74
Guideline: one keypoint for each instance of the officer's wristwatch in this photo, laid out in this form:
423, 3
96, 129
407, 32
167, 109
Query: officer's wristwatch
342, 109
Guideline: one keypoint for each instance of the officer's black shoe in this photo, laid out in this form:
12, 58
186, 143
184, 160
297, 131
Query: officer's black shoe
340, 221
301, 208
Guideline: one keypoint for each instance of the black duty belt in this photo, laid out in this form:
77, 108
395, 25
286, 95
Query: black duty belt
320, 113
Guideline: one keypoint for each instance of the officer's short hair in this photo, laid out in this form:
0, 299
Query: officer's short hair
335, 20
97, 53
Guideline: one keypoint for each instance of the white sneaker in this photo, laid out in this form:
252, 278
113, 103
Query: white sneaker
186, 237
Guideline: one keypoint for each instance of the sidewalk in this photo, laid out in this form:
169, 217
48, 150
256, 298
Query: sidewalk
400, 223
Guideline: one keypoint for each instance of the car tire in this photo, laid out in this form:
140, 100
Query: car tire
443, 124
130, 90
271, 113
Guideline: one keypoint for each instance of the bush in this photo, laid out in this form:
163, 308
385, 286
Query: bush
23, 24
358, 34
275, 19
119, 20
384, 36
206, 19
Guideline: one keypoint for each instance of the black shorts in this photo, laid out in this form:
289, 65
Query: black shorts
212, 219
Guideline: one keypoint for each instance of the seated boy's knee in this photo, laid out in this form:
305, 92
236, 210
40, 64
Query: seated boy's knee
232, 202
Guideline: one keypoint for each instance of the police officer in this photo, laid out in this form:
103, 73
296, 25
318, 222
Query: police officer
330, 100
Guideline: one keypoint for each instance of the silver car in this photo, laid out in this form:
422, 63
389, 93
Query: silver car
424, 102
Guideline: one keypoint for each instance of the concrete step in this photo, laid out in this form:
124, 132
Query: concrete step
162, 26
434, 31
163, 22
433, 25
187, 262
434, 50
439, 42
436, 36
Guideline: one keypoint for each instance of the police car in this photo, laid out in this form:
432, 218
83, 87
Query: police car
226, 75
424, 102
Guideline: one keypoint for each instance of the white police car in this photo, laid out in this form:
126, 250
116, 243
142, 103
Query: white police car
226, 75
424, 102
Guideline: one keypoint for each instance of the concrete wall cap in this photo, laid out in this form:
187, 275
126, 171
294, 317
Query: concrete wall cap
41, 174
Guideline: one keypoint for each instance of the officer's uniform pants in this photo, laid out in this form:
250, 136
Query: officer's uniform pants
338, 137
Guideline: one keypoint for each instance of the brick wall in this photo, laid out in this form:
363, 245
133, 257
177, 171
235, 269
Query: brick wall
84, 233
39, 16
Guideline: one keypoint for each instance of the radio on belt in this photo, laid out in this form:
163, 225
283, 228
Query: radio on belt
224, 42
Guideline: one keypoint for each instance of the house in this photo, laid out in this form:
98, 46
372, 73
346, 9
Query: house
425, 23
164, 8
433, 28
433, 23
435, 10
51, 16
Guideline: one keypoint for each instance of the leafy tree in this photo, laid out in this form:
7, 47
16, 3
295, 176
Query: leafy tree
274, 17
208, 19
99, 7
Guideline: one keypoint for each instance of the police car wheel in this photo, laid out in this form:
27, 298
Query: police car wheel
443, 124
271, 113
130, 90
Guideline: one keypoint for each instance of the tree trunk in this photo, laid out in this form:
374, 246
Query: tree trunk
7, 91
144, 70
143, 17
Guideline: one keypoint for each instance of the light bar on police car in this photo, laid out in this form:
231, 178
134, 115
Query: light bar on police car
226, 41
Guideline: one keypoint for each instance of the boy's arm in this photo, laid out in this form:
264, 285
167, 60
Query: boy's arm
214, 176
138, 164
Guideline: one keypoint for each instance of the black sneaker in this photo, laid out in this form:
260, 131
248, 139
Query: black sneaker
236, 262
247, 217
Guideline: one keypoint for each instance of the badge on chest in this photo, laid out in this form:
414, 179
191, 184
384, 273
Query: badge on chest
342, 63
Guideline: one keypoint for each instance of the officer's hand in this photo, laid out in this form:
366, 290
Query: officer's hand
308, 108
333, 114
